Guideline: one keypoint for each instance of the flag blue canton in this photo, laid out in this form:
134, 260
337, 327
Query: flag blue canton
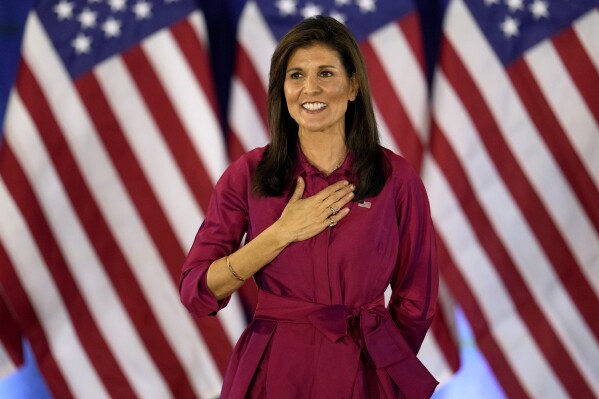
514, 26
85, 32
362, 17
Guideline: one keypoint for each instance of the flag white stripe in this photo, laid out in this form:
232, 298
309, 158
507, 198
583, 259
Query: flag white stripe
245, 119
95, 287
434, 357
405, 74
198, 23
73, 362
567, 104
529, 150
150, 150
193, 109
431, 356
233, 319
495, 302
587, 30
257, 40
513, 231
385, 136
125, 225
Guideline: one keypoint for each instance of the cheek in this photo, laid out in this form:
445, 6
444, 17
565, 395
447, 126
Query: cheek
290, 106
341, 99
290, 95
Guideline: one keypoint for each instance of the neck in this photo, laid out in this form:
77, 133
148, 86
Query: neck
324, 153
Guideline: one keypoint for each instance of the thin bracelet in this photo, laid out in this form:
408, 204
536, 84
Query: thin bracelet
233, 271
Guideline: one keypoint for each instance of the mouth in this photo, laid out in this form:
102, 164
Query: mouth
316, 106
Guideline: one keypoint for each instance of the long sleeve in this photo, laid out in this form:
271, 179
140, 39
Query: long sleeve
219, 235
415, 281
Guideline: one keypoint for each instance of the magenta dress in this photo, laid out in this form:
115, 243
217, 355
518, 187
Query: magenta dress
321, 328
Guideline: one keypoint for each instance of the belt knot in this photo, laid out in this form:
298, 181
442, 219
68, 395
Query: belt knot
337, 321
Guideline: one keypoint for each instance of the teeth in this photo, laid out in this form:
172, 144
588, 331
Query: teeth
314, 106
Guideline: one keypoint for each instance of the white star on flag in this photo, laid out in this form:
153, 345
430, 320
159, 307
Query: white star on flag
82, 44
539, 9
117, 5
142, 10
87, 18
311, 10
287, 7
64, 10
509, 27
111, 28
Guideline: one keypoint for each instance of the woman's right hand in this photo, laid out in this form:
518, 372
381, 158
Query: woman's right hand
303, 218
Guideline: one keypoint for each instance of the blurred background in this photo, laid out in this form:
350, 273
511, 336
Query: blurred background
118, 117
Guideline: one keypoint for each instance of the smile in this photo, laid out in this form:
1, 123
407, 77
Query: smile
313, 106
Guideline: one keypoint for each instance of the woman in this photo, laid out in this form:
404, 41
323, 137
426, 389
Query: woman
332, 219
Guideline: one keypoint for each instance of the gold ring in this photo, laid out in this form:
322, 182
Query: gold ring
331, 222
333, 211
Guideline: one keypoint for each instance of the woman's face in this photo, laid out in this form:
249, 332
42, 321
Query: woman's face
317, 89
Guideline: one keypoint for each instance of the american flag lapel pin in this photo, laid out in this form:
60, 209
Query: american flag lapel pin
364, 204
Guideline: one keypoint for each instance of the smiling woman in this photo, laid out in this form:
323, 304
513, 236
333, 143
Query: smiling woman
317, 91
321, 262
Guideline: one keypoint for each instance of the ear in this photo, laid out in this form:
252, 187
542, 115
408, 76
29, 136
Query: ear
354, 87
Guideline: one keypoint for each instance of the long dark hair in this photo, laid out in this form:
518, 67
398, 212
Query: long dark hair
275, 170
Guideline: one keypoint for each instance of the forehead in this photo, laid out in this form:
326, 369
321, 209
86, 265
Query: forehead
318, 53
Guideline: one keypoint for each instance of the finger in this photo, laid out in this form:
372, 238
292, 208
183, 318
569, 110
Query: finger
341, 197
299, 190
333, 188
336, 206
334, 219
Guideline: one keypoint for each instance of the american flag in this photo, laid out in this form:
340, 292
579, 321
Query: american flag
513, 177
390, 38
110, 150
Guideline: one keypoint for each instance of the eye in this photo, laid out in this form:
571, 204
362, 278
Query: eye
326, 74
295, 75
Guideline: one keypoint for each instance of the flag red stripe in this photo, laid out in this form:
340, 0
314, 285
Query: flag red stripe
251, 81
99, 234
196, 55
10, 333
146, 203
486, 342
410, 26
524, 302
537, 216
37, 338
170, 126
580, 67
91, 338
391, 108
556, 139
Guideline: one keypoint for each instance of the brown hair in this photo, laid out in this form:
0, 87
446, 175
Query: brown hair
275, 170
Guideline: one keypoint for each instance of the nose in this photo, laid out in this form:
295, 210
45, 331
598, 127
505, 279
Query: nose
311, 84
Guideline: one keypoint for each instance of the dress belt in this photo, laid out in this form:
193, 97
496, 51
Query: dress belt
334, 321
371, 327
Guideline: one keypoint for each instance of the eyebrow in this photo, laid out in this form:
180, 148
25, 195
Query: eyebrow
320, 67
